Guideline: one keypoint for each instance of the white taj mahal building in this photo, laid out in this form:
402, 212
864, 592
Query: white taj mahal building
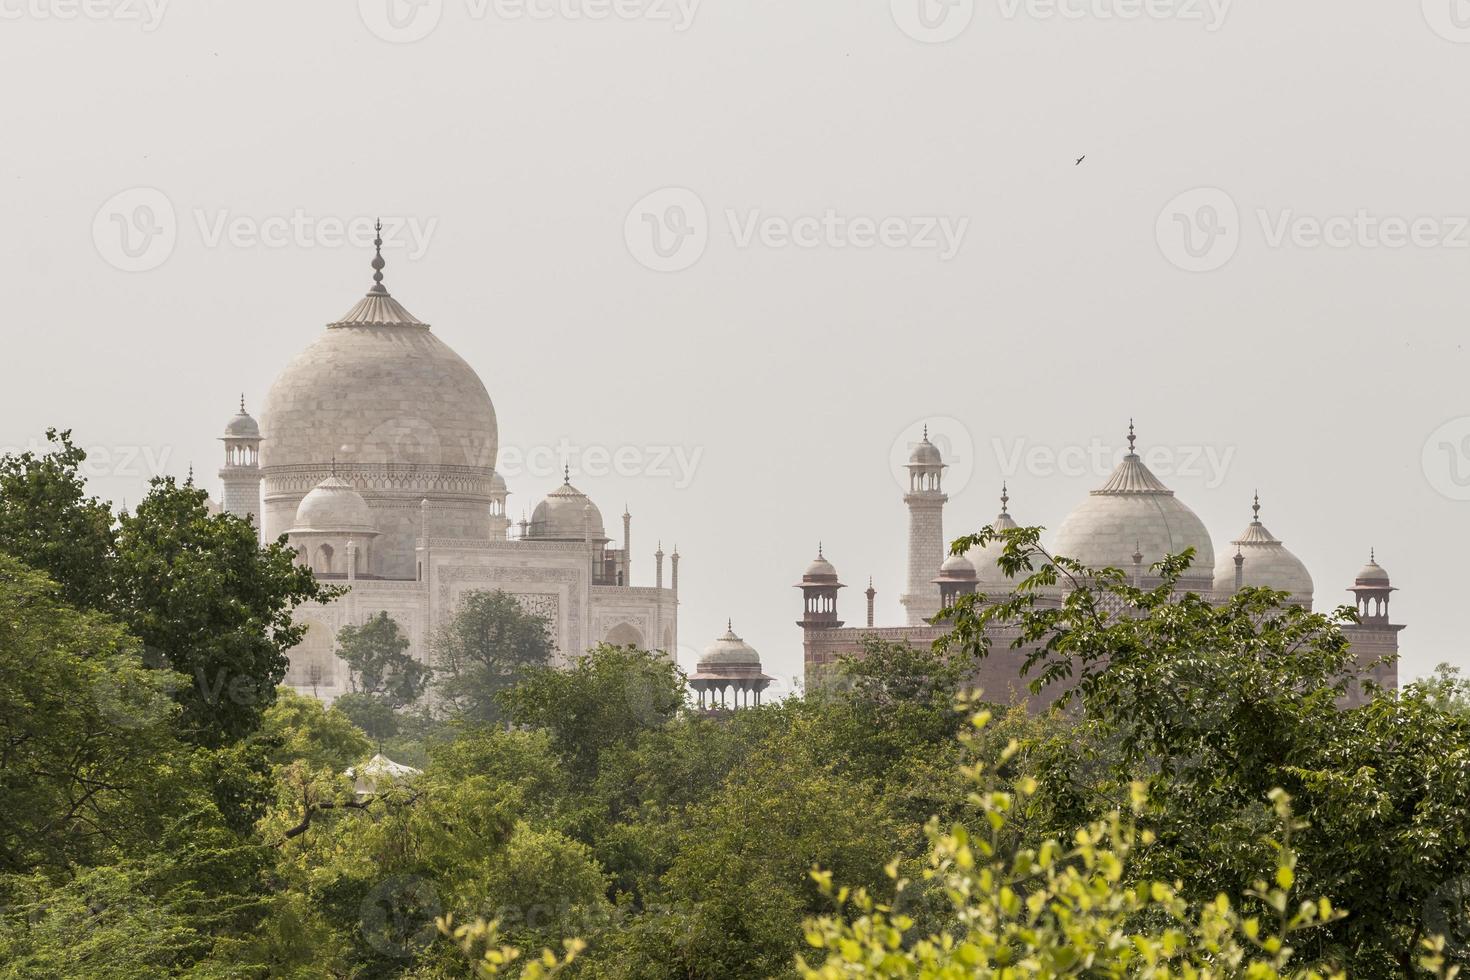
375, 456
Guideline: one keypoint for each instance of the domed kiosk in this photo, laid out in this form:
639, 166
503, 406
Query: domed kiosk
729, 674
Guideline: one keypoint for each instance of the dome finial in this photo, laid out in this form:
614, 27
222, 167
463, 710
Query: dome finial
378, 262
189, 481
1131, 439
242, 403
566, 474
1005, 497
1372, 553
926, 431
1256, 509
819, 549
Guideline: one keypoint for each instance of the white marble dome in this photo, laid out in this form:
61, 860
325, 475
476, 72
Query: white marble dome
334, 506
1267, 565
820, 569
957, 567
378, 389
566, 514
242, 425
1372, 573
728, 651
987, 572
926, 454
1134, 512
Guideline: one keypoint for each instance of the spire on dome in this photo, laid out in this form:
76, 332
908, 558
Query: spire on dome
566, 474
378, 308
378, 262
1005, 499
1256, 509
242, 403
1132, 438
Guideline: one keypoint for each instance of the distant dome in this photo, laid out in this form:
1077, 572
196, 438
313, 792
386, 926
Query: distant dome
1372, 573
333, 505
926, 454
820, 570
566, 515
987, 572
378, 389
1134, 512
957, 567
242, 425
728, 651
1267, 564
497, 485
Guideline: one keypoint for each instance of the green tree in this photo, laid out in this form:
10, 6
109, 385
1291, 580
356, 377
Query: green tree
488, 645
604, 698
376, 655
90, 767
301, 729
48, 521
212, 604
1063, 909
1211, 706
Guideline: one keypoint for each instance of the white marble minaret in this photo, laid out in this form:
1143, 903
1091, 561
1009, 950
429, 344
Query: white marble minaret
925, 500
241, 472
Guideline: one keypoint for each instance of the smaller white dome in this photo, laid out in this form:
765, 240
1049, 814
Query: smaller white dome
957, 567
242, 425
1372, 573
1266, 564
567, 514
926, 454
820, 569
333, 505
728, 651
987, 572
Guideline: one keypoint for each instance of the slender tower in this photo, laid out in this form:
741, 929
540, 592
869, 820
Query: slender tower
241, 472
499, 518
925, 500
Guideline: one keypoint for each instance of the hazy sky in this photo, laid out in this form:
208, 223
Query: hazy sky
1320, 148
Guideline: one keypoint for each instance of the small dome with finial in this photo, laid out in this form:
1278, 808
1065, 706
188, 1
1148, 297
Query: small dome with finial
1372, 574
987, 572
820, 570
925, 453
242, 426
1265, 563
567, 514
728, 651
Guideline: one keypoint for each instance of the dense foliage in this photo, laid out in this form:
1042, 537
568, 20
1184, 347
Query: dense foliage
156, 824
